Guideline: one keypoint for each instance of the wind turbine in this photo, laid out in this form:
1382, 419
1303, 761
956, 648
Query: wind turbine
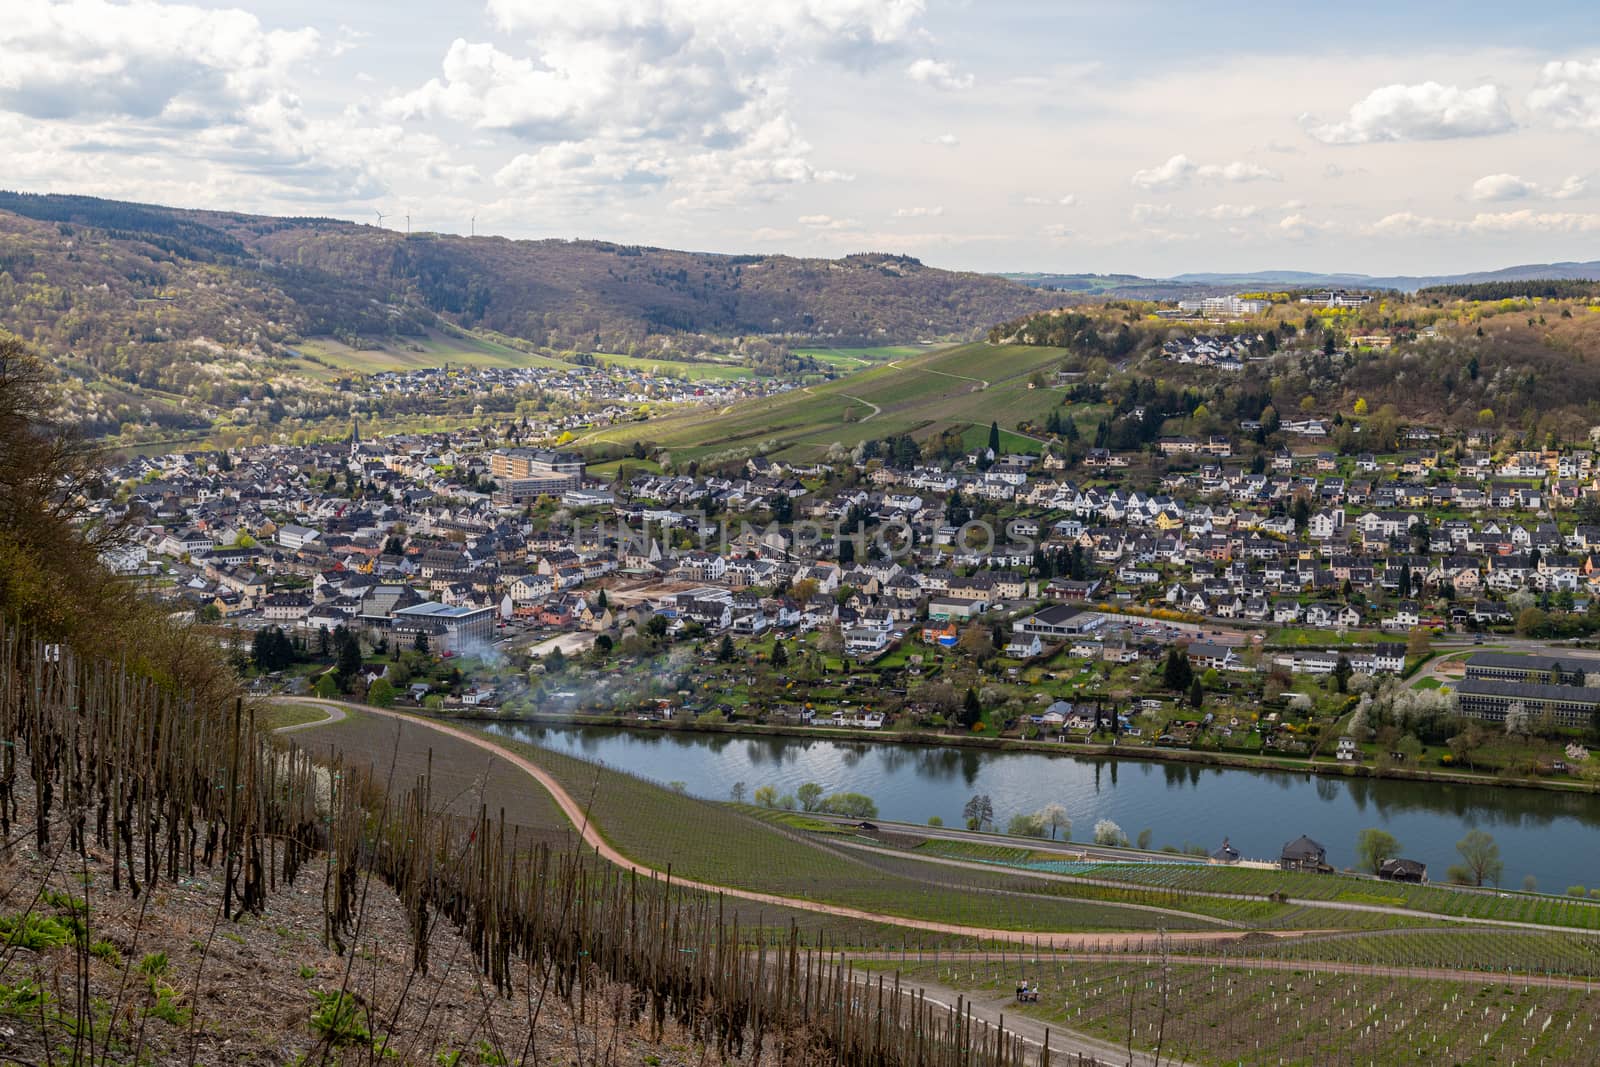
408, 225
473, 232
380, 217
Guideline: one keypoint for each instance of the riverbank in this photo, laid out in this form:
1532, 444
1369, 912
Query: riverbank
1151, 754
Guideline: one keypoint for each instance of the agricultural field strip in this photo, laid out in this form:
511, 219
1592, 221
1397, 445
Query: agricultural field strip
1178, 957
1315, 910
594, 839
1482, 907
1483, 951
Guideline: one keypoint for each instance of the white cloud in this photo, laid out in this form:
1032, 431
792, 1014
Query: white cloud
1499, 187
826, 222
938, 74
948, 140
918, 212
1575, 185
1051, 201
1058, 232
162, 63
1568, 94
1180, 170
1150, 212
1425, 112
171, 100
698, 88
1503, 187
1231, 212
1298, 227
1407, 224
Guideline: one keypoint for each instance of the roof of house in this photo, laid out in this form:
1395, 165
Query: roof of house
1303, 847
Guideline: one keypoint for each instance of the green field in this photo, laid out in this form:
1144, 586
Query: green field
856, 358
693, 372
949, 389
331, 358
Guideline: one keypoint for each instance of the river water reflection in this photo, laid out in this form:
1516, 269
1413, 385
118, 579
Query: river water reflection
1551, 835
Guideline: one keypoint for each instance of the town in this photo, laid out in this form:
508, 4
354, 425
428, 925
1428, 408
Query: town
996, 593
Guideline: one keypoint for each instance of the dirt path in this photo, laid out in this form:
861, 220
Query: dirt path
983, 383
594, 839
875, 408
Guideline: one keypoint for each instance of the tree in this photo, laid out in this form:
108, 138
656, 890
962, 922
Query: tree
1530, 622
556, 661
971, 713
1374, 847
1197, 693
1419, 642
725, 651
1466, 742
978, 811
977, 642
1109, 834
736, 792
1361, 405
420, 642
348, 659
1481, 861
1517, 722
1144, 839
850, 805
810, 796
994, 438
1341, 673
1176, 674
1025, 826
1054, 817
780, 658
765, 796
327, 686
381, 694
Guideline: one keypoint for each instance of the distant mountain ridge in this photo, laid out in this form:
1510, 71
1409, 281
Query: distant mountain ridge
1206, 281
319, 275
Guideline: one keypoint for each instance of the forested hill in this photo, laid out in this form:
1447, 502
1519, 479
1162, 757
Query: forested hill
77, 270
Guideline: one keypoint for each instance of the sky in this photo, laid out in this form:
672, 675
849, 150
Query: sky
1140, 136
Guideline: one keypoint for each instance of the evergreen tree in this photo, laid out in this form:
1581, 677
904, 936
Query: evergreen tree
994, 438
1176, 674
725, 650
971, 710
349, 657
1197, 693
780, 658
420, 643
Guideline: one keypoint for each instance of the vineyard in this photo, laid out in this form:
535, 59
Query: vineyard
134, 791
1215, 1014
1523, 952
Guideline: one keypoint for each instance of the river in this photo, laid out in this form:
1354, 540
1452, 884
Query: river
1547, 834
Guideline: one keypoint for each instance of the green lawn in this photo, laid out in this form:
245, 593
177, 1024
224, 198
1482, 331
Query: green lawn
277, 716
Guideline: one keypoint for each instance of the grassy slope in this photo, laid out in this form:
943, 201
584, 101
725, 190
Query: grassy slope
415, 353
920, 395
694, 372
